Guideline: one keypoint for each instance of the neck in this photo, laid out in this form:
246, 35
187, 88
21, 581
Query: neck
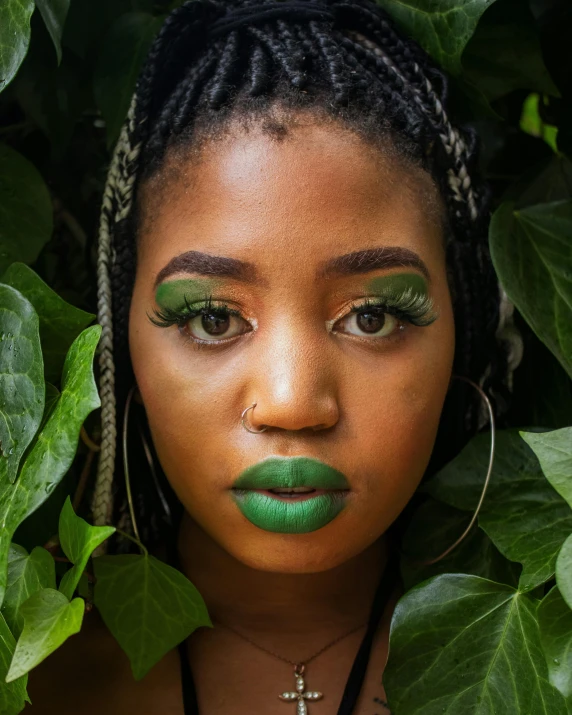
251, 599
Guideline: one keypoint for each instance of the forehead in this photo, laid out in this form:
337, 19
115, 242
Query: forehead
315, 192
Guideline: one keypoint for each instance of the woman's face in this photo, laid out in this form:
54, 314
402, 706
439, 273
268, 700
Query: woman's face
319, 267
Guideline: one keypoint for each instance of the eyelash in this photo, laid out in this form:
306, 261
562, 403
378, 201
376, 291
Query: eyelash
407, 308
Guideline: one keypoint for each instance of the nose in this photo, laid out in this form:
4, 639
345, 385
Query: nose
293, 385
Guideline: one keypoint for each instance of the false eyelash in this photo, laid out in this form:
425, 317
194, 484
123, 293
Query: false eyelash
409, 306
168, 316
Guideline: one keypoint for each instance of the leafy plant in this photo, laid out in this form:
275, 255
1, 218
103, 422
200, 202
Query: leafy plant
487, 629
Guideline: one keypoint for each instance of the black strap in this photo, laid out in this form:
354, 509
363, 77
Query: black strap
357, 673
250, 15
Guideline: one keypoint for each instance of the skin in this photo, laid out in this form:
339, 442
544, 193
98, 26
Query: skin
368, 408
287, 207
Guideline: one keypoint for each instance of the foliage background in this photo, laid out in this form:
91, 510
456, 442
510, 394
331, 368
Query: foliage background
67, 71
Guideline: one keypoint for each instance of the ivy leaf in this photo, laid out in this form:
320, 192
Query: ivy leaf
532, 254
52, 397
26, 219
21, 380
442, 29
14, 37
78, 540
524, 516
433, 528
474, 646
123, 52
54, 13
60, 322
554, 452
504, 53
27, 573
555, 621
564, 571
13, 696
49, 620
147, 605
55, 446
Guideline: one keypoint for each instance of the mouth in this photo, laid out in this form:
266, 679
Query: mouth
290, 495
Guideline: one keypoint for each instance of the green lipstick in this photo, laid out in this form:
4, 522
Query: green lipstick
294, 513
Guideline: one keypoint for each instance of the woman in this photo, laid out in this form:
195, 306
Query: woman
292, 268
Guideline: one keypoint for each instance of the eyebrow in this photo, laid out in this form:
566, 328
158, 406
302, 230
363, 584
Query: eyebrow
357, 262
372, 259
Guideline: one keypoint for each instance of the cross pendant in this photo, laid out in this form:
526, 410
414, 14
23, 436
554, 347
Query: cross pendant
301, 694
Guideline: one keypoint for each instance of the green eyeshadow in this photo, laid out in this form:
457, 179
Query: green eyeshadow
173, 295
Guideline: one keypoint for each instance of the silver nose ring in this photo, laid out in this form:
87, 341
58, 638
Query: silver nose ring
246, 427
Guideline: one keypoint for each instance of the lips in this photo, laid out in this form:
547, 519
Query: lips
290, 495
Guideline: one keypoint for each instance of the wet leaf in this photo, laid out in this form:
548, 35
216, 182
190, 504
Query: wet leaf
21, 380
60, 322
13, 696
555, 621
26, 219
14, 37
474, 646
564, 571
78, 540
149, 606
49, 620
55, 446
527, 520
27, 573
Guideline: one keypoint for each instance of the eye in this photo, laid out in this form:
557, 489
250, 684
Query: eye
371, 322
212, 325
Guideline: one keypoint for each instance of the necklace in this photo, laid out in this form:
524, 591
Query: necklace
300, 695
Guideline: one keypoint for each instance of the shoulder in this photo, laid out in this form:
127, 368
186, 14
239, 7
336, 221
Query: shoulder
91, 674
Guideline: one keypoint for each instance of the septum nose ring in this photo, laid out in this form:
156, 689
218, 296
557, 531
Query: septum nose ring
246, 427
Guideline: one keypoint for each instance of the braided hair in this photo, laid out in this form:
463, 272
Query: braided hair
216, 62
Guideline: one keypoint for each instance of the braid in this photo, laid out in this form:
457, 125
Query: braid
355, 68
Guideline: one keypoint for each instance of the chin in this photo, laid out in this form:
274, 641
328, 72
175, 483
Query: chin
318, 551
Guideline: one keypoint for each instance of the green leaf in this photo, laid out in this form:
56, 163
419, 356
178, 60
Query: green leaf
52, 397
147, 605
49, 620
14, 37
54, 13
60, 322
55, 446
441, 28
462, 644
532, 254
26, 219
555, 621
433, 528
504, 54
27, 573
123, 51
524, 516
78, 540
564, 571
21, 380
13, 696
554, 452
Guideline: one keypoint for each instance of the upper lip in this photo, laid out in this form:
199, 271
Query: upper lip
284, 472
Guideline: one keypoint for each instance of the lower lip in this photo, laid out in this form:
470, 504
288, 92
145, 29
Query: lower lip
301, 513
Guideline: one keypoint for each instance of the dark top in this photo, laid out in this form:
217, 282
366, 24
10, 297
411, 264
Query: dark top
357, 673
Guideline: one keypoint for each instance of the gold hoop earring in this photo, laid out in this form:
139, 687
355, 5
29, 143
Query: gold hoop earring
246, 427
488, 475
